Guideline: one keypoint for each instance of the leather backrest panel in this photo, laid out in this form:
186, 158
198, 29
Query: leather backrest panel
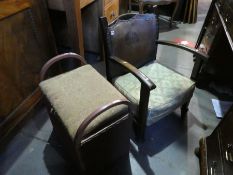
132, 37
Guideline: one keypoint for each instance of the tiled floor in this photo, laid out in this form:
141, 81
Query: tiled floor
169, 148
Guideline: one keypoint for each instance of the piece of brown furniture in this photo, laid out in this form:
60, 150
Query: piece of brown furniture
130, 54
142, 3
111, 9
90, 116
90, 17
75, 23
190, 13
216, 40
216, 150
26, 41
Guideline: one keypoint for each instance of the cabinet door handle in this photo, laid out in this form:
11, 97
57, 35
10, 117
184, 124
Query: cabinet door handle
212, 171
213, 168
113, 14
229, 153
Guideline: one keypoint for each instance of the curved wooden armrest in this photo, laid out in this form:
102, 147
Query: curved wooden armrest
196, 52
80, 132
137, 73
57, 58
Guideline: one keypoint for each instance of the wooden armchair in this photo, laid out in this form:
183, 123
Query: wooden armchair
130, 44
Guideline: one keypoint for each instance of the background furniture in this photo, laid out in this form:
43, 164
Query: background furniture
26, 41
216, 150
67, 25
216, 40
190, 13
154, 89
90, 16
93, 124
75, 23
142, 3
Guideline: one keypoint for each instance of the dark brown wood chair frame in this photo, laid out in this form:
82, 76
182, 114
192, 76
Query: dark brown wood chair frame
79, 140
146, 84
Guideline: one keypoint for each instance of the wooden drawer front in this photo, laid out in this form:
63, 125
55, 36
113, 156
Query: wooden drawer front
111, 11
226, 129
214, 161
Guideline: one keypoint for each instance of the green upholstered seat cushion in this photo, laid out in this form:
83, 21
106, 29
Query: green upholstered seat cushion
172, 90
76, 94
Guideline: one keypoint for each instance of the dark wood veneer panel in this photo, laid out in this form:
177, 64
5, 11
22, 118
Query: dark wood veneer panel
26, 43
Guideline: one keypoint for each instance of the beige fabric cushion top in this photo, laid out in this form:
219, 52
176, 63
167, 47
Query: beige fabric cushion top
76, 94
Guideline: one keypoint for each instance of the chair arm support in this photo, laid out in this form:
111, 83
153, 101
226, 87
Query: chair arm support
57, 58
201, 55
80, 132
137, 73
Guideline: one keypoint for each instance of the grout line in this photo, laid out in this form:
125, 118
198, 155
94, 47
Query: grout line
40, 139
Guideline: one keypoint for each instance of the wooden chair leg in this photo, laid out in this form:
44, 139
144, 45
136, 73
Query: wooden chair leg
184, 110
197, 152
170, 23
139, 132
142, 113
141, 4
173, 14
130, 6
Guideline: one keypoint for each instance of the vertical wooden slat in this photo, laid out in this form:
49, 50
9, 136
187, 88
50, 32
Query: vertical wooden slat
74, 22
79, 25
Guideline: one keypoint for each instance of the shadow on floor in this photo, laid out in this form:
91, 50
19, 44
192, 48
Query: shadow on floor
159, 136
56, 160
17, 144
121, 167
58, 163
164, 25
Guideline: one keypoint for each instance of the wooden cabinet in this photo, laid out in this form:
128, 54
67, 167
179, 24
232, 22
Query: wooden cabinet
65, 16
90, 19
26, 43
76, 22
111, 9
216, 150
216, 40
